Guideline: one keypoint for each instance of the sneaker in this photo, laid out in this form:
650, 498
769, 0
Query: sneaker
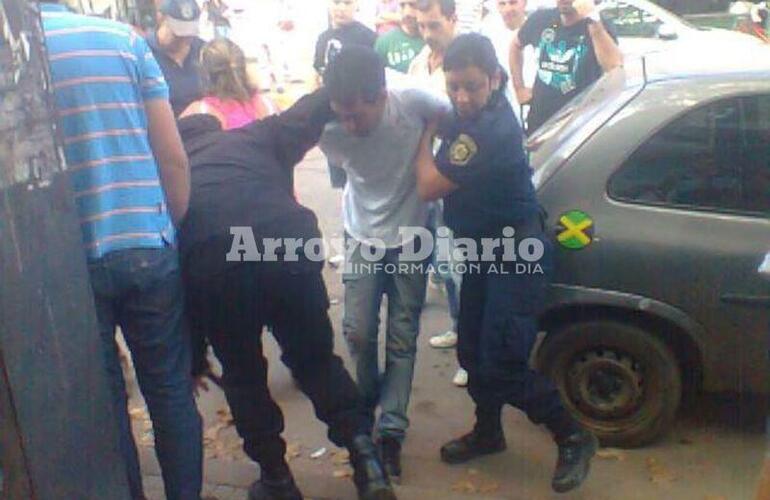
390, 452
472, 445
444, 341
575, 455
461, 378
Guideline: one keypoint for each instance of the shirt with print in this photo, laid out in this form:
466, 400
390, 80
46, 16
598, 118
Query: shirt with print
398, 49
485, 157
381, 196
103, 73
566, 62
331, 41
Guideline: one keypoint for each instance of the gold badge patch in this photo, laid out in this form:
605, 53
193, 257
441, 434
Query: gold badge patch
462, 150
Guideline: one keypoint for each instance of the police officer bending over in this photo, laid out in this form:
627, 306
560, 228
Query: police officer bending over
482, 174
236, 285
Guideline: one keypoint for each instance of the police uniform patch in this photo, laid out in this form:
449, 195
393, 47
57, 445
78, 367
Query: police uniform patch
462, 150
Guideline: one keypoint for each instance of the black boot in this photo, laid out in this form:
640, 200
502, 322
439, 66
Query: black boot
575, 453
368, 474
275, 483
390, 452
472, 445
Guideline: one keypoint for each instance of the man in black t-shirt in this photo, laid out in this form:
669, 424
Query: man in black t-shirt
345, 30
574, 48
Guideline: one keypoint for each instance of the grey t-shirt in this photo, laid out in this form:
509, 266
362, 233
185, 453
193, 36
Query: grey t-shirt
381, 193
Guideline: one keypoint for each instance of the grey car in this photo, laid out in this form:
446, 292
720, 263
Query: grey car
657, 185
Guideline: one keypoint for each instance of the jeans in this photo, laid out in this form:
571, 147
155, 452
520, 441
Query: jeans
365, 285
141, 291
444, 264
231, 310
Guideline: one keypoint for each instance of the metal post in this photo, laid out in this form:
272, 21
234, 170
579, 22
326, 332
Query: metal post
58, 436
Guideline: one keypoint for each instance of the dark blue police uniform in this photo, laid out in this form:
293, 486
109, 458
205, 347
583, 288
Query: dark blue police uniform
497, 325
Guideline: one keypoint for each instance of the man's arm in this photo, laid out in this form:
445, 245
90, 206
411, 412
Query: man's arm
169, 153
605, 47
431, 183
299, 128
516, 63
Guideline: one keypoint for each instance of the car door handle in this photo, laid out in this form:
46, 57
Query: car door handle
746, 300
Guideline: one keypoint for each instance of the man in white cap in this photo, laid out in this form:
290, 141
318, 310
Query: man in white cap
176, 47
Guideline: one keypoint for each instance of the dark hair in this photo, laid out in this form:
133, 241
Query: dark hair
447, 7
472, 49
357, 71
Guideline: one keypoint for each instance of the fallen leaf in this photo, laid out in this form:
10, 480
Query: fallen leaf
293, 450
464, 486
342, 473
341, 458
658, 473
611, 454
318, 453
138, 413
489, 488
685, 440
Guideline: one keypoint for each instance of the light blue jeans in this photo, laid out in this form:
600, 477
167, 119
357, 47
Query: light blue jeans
365, 284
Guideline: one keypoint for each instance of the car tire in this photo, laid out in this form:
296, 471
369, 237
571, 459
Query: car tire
617, 379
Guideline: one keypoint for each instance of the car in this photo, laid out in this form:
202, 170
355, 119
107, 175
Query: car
643, 27
657, 184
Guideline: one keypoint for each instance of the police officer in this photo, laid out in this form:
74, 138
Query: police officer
482, 174
241, 184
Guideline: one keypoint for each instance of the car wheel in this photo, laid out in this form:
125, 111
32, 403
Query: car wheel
617, 379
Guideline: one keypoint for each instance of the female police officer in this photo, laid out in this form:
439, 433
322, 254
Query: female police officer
483, 175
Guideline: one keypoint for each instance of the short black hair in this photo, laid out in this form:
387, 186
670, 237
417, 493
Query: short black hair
471, 49
357, 71
448, 7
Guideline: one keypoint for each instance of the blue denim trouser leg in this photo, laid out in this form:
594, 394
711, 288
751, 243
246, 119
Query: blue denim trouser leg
364, 286
141, 291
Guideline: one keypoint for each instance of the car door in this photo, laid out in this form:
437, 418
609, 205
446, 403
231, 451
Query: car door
699, 190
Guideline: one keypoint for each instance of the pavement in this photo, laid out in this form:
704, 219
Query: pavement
714, 451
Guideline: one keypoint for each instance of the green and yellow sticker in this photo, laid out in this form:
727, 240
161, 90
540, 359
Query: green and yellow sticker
575, 230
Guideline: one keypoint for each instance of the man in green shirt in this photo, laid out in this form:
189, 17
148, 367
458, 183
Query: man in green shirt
399, 46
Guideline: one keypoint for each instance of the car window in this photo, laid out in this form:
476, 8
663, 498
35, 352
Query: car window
630, 21
713, 158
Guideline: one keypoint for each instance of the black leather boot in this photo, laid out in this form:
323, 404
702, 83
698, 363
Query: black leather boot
368, 474
390, 452
472, 445
275, 483
575, 453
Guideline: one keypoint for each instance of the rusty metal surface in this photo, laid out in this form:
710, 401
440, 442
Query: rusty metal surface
59, 433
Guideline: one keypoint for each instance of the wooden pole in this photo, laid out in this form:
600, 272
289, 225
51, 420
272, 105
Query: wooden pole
58, 435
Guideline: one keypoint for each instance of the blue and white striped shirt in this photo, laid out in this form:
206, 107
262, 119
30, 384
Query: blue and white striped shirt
102, 73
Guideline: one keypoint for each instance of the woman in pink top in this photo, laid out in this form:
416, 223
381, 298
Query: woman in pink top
230, 96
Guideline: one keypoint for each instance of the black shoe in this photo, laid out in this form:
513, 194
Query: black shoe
575, 455
390, 453
275, 484
369, 476
472, 445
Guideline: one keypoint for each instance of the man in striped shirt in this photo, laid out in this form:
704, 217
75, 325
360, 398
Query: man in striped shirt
130, 179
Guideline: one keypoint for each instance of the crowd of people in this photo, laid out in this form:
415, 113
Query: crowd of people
173, 154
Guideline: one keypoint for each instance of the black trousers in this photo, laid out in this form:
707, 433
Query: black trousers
497, 329
233, 308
